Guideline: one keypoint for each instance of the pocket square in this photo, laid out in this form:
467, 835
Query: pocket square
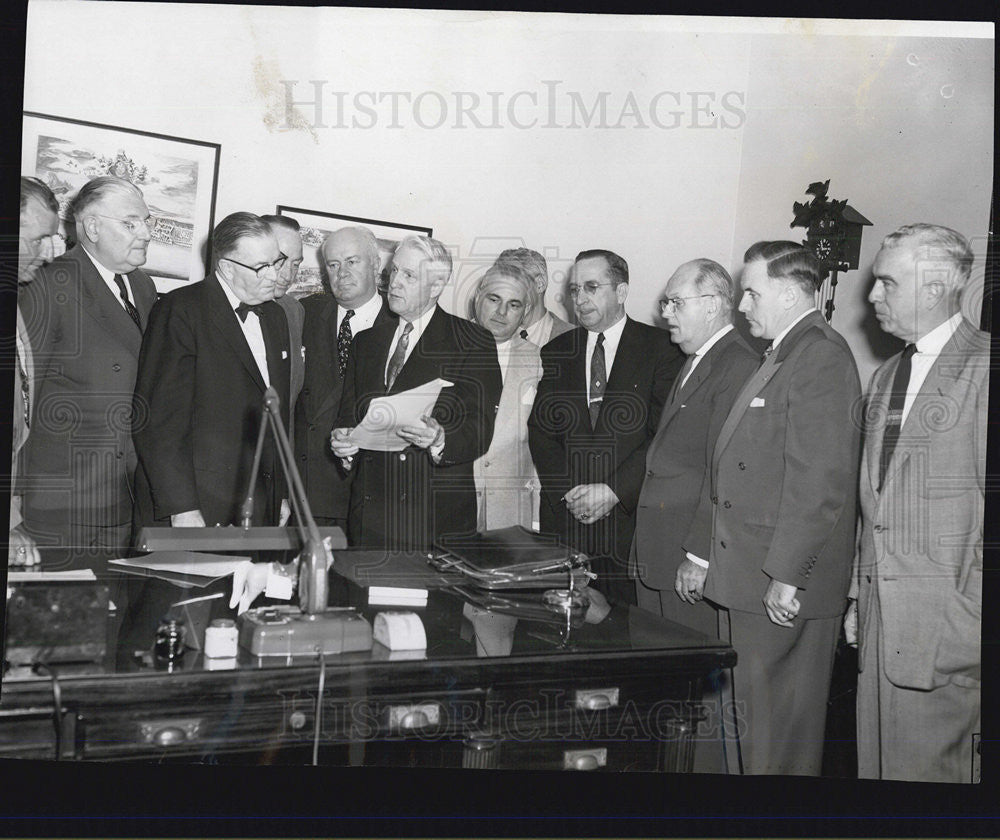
284, 354
757, 402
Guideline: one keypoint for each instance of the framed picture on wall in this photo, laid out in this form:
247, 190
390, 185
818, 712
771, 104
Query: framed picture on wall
315, 226
178, 178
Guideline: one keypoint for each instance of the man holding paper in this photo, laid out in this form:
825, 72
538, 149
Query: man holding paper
406, 499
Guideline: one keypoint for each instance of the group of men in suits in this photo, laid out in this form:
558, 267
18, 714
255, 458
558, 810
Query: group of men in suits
708, 484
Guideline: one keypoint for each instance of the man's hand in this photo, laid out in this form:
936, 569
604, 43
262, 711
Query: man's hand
188, 519
690, 581
22, 550
780, 603
286, 512
851, 623
249, 580
590, 502
429, 435
342, 447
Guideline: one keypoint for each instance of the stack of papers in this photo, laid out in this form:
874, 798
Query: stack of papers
184, 568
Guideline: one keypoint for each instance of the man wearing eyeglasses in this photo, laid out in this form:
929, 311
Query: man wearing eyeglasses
211, 351
775, 525
598, 404
697, 306
85, 314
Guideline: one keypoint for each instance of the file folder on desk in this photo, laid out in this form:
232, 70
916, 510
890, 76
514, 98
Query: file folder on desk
512, 558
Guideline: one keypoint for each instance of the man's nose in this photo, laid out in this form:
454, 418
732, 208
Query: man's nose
875, 294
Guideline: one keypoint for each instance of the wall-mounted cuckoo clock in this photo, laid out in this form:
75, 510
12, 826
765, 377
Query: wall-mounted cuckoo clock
833, 233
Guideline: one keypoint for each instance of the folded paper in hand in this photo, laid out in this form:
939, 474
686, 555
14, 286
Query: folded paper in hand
379, 430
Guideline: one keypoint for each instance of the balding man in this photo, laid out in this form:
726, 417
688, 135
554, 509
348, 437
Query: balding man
211, 351
39, 223
407, 500
919, 572
352, 306
697, 304
541, 326
776, 523
85, 314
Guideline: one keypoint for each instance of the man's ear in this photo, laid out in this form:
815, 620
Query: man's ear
621, 292
90, 228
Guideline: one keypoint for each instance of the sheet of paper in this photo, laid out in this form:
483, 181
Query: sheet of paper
183, 563
49, 577
378, 431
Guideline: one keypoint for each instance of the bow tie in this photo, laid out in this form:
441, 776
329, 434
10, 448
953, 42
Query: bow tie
244, 308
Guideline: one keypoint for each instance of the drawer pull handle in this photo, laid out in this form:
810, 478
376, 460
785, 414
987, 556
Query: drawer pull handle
297, 720
169, 736
595, 700
585, 759
170, 733
417, 716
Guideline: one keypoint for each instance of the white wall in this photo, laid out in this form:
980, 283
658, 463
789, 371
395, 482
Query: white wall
847, 108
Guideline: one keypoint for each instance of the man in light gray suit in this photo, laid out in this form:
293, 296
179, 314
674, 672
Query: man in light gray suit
918, 576
541, 326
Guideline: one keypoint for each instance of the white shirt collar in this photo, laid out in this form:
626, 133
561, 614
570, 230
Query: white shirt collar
364, 316
230, 295
612, 334
708, 345
933, 343
777, 339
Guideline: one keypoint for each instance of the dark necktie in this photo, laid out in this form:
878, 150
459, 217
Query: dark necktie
344, 341
245, 308
25, 391
133, 313
685, 370
598, 380
398, 357
524, 334
764, 356
894, 418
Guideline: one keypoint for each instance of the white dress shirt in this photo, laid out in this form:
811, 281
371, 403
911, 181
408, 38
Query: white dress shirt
364, 316
928, 349
612, 336
251, 330
108, 276
699, 354
419, 325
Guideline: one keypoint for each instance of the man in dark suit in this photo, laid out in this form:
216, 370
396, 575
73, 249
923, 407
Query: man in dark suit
286, 231
776, 523
332, 321
599, 401
697, 304
85, 314
919, 572
405, 500
211, 350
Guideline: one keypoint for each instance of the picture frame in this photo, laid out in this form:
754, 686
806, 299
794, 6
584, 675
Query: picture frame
179, 178
316, 225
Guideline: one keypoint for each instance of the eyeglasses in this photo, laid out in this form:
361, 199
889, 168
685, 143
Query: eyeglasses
132, 225
589, 288
677, 303
260, 269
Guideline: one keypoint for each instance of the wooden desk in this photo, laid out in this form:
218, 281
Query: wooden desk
621, 694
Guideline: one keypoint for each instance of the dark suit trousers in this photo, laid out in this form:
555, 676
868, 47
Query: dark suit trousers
781, 684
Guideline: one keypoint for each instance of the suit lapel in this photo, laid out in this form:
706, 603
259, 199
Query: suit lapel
98, 302
328, 317
225, 319
934, 394
419, 365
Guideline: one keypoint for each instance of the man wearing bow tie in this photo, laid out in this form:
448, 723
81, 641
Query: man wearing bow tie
918, 580
775, 527
405, 500
210, 352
